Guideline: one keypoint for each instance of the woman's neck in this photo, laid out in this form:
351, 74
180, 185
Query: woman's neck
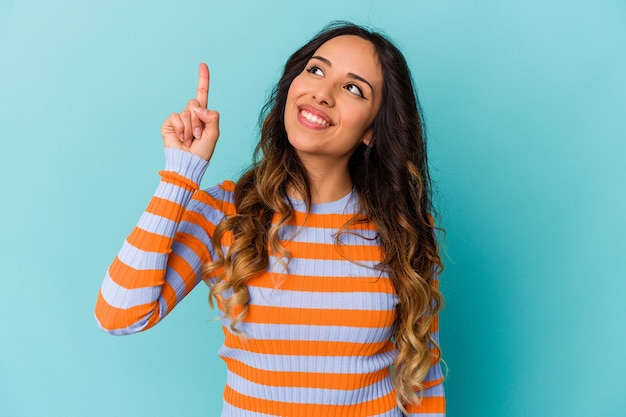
325, 190
328, 181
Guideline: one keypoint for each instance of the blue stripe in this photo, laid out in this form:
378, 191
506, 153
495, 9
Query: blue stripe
220, 193
321, 364
369, 301
173, 193
123, 298
395, 412
133, 328
157, 224
185, 163
434, 374
141, 260
326, 268
315, 333
304, 395
229, 410
327, 235
348, 204
427, 415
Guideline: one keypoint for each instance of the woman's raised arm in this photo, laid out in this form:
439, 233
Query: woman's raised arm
162, 258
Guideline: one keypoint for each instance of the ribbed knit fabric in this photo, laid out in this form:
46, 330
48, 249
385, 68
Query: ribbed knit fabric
319, 332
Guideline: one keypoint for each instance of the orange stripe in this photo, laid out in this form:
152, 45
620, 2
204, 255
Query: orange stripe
428, 405
171, 177
304, 379
120, 272
329, 221
112, 318
213, 275
165, 208
430, 384
306, 347
434, 326
309, 250
320, 317
228, 186
169, 295
148, 241
368, 408
322, 284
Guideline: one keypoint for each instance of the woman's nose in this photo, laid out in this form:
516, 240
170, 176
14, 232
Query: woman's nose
324, 95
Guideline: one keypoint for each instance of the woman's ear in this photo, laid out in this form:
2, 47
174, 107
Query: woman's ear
367, 137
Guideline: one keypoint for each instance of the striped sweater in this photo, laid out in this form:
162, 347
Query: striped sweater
319, 330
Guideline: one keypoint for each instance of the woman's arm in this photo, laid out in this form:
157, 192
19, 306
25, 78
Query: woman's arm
162, 258
156, 266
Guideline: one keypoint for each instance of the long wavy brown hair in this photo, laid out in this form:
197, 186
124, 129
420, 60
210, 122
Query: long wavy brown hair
393, 183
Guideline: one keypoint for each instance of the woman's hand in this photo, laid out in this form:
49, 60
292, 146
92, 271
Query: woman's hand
196, 128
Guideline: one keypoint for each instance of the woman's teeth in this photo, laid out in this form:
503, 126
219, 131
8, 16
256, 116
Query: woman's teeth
313, 118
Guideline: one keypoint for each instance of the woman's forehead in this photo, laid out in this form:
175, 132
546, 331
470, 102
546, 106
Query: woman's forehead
352, 54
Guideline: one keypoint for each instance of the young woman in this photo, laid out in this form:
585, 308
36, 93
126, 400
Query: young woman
321, 257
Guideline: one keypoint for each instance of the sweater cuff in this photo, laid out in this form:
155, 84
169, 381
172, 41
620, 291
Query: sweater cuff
185, 163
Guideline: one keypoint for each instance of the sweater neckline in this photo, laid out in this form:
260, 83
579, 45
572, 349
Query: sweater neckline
343, 205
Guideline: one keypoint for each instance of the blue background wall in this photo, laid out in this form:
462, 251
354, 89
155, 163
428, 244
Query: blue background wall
526, 109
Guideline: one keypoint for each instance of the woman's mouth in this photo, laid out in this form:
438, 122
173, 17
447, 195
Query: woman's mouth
314, 118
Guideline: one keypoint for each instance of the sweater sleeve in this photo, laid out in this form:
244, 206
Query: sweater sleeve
161, 260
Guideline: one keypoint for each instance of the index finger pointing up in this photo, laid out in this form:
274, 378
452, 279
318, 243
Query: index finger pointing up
202, 93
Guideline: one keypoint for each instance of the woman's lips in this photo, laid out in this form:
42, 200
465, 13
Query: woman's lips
313, 117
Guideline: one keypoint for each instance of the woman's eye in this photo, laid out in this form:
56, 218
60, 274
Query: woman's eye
354, 89
315, 70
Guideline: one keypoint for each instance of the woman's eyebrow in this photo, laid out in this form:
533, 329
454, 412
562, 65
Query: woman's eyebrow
350, 74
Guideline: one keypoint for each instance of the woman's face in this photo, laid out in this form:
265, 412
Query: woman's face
331, 105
